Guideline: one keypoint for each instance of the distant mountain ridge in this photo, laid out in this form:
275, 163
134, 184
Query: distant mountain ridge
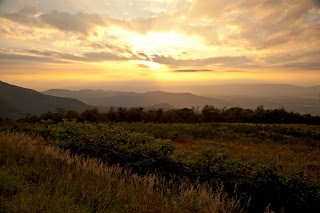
259, 90
133, 99
16, 102
307, 99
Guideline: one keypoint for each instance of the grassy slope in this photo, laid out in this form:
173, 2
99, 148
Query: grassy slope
35, 177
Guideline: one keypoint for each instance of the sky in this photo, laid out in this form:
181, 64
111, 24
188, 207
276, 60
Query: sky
48, 44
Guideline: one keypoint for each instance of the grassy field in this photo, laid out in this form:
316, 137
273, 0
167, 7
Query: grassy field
296, 147
263, 165
35, 177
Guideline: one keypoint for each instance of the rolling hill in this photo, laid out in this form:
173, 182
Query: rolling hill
16, 102
132, 99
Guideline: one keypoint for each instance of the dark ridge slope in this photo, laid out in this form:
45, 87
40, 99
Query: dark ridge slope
17, 101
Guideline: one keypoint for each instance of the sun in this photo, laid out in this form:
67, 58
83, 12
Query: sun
161, 43
149, 65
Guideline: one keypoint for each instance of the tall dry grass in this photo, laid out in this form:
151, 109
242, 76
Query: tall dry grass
36, 177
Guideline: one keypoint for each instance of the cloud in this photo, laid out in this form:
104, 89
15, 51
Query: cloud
299, 65
81, 22
297, 57
120, 49
144, 66
253, 34
249, 24
206, 70
209, 9
234, 71
117, 49
144, 56
101, 46
33, 55
193, 70
259, 24
265, 25
317, 2
142, 8
11, 58
221, 61
101, 56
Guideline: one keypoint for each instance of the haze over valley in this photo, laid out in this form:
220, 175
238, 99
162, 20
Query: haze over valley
271, 96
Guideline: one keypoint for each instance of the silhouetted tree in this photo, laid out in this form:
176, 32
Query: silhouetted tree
71, 115
91, 115
185, 115
111, 115
210, 114
122, 114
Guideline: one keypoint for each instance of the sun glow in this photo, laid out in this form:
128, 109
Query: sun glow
150, 65
161, 43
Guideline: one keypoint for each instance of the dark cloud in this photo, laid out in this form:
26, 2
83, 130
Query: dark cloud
195, 70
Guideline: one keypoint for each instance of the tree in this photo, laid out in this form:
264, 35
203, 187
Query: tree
121, 114
134, 114
210, 114
111, 114
72, 115
91, 115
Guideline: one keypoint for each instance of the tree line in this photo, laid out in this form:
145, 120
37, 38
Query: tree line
186, 115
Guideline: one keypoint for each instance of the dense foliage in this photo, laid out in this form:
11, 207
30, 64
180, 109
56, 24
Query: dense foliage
258, 180
258, 133
207, 114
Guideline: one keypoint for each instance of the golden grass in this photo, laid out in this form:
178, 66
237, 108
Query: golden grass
188, 144
35, 177
292, 157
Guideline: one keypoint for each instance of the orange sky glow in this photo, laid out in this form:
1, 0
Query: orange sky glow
81, 43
